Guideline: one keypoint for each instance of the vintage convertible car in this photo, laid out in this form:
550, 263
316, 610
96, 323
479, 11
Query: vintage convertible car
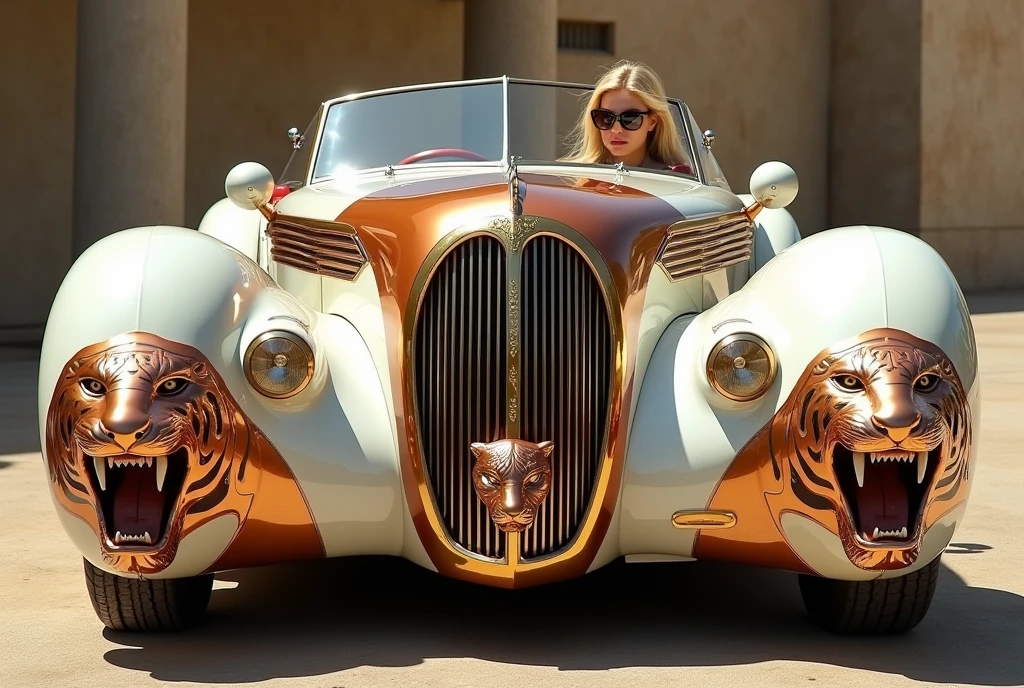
432, 339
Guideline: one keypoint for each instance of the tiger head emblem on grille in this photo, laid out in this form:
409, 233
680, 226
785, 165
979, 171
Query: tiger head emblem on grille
512, 478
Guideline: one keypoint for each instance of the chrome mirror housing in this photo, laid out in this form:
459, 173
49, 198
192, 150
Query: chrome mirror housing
250, 185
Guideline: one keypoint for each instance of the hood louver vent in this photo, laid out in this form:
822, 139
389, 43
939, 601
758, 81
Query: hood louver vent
323, 248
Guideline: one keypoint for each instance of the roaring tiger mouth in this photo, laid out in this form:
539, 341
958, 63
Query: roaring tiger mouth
885, 493
136, 497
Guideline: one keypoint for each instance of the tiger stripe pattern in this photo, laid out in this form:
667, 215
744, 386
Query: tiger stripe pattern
873, 443
144, 444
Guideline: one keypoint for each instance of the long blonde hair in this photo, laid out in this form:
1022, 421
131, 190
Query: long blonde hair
663, 143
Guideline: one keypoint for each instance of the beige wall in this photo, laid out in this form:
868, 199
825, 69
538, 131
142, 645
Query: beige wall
251, 78
37, 105
972, 134
759, 78
875, 114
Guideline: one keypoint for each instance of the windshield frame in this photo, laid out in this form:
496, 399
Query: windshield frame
324, 110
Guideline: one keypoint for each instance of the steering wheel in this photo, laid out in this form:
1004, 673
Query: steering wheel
442, 153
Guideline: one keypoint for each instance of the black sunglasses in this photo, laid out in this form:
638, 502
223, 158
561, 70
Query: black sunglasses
631, 119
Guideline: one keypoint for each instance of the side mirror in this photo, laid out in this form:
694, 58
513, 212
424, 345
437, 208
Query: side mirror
773, 185
250, 185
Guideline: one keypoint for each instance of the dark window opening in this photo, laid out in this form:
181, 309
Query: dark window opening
586, 36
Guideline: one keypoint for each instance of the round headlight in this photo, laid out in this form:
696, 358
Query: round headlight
279, 364
741, 367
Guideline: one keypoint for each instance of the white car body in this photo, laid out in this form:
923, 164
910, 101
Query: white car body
348, 438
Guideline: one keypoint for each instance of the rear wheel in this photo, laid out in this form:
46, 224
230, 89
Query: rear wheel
892, 605
130, 604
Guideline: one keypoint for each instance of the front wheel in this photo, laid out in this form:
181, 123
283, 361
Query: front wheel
892, 605
130, 604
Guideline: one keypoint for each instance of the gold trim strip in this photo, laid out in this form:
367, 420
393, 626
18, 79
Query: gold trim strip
703, 519
513, 424
514, 231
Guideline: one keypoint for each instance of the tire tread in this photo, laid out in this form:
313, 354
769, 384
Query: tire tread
133, 604
893, 605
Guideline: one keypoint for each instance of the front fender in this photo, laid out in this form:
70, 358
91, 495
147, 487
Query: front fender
239, 228
693, 450
310, 467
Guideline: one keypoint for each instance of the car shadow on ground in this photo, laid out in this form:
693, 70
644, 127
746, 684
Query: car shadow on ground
996, 301
315, 619
19, 427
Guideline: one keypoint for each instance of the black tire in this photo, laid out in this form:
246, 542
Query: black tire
130, 604
893, 605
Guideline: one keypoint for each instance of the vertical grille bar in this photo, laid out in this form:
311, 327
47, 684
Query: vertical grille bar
566, 371
460, 383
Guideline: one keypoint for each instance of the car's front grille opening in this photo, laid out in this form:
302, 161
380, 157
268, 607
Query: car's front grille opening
461, 351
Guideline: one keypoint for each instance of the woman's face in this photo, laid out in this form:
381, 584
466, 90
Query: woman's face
621, 142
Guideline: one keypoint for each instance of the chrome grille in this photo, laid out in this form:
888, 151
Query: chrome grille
566, 377
323, 248
695, 247
460, 358
461, 349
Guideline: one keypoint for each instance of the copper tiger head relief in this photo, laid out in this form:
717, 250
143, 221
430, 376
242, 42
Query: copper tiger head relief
877, 435
144, 445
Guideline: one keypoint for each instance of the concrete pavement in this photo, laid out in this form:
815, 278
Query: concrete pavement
373, 622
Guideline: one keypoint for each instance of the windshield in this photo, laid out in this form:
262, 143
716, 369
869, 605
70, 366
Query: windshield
443, 124
456, 123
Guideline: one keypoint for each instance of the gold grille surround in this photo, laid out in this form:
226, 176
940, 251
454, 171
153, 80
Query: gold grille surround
514, 233
697, 247
331, 249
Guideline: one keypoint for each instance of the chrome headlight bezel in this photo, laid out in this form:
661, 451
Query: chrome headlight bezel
732, 339
299, 342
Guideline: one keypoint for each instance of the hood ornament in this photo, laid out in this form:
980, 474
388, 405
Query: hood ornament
620, 172
515, 202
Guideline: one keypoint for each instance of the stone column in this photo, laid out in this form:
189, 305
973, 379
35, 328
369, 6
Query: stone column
971, 144
875, 113
129, 116
516, 38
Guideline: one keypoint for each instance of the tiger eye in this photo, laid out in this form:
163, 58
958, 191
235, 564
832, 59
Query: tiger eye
93, 387
172, 386
850, 383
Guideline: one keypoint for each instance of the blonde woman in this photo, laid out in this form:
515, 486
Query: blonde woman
627, 120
